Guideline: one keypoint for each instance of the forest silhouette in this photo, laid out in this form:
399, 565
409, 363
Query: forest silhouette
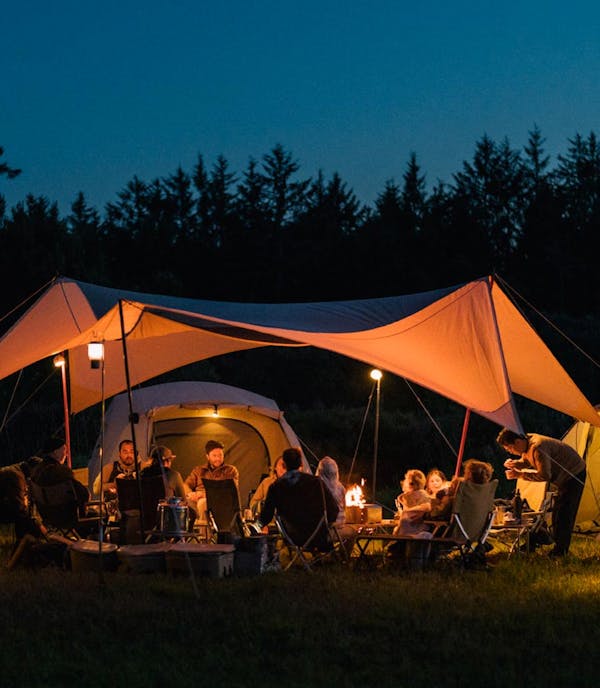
270, 234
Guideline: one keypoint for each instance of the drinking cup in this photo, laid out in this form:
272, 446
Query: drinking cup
499, 516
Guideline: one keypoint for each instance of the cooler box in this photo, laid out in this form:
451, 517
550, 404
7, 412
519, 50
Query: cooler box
85, 556
213, 561
150, 558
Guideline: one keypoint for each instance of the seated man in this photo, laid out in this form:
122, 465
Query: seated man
52, 470
123, 467
162, 460
215, 468
300, 499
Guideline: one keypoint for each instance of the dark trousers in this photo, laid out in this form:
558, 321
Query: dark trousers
565, 511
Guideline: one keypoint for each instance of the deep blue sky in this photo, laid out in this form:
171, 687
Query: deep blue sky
93, 93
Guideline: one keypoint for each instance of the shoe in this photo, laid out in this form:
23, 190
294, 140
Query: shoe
556, 553
543, 537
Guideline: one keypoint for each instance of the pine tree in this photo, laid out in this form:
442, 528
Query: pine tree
492, 191
5, 170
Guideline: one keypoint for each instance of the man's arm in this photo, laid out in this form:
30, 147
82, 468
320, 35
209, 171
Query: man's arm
543, 466
268, 510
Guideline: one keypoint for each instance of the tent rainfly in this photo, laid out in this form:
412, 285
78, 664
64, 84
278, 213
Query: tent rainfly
585, 439
184, 415
468, 343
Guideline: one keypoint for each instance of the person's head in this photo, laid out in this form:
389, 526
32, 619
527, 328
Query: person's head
279, 467
328, 469
512, 442
413, 480
215, 453
435, 481
55, 448
126, 455
292, 458
478, 471
162, 455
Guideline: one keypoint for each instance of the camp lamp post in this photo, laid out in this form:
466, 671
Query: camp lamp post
61, 362
376, 375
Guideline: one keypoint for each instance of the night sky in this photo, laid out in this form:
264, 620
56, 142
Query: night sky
95, 93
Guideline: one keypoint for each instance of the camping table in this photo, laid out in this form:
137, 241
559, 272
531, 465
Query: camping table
518, 532
416, 551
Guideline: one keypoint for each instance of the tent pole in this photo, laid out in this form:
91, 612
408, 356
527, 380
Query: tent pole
376, 434
100, 523
63, 374
132, 418
463, 441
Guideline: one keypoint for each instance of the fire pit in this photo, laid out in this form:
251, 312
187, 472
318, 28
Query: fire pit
357, 510
369, 513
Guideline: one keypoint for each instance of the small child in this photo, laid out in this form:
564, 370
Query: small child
413, 505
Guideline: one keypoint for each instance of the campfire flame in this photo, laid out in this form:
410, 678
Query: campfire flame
355, 496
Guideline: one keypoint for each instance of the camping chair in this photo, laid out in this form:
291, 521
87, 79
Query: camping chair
223, 509
128, 493
534, 521
533, 492
60, 512
323, 542
470, 522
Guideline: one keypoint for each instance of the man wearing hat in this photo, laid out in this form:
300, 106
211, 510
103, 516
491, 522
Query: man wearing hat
214, 469
162, 460
52, 470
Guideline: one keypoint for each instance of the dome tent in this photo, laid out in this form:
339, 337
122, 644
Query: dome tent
184, 415
585, 439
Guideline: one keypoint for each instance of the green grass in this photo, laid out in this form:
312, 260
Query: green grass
527, 620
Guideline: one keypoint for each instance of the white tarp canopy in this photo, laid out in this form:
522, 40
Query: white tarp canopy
468, 342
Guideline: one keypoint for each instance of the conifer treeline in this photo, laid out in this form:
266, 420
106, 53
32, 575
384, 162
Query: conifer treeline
268, 233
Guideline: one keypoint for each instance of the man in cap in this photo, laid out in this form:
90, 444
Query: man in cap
215, 468
162, 461
52, 470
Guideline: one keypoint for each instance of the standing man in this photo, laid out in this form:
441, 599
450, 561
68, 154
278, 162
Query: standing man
548, 459
215, 468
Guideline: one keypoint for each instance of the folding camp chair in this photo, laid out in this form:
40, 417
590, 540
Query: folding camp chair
470, 522
128, 493
59, 510
323, 542
308, 553
223, 509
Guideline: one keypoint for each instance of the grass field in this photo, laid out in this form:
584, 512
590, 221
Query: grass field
526, 621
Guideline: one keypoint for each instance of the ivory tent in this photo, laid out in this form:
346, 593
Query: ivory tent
184, 415
468, 342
